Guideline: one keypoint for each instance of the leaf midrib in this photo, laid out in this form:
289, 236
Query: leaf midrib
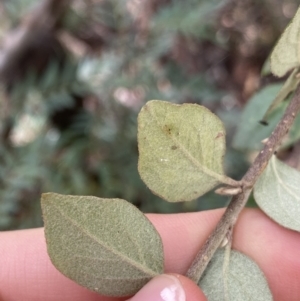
219, 177
127, 259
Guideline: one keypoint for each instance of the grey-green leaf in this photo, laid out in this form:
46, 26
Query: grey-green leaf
106, 245
277, 193
250, 132
285, 55
243, 279
181, 149
288, 87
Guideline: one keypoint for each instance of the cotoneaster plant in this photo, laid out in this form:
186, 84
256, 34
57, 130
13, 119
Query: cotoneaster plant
110, 247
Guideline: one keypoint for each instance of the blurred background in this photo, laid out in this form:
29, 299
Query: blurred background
74, 75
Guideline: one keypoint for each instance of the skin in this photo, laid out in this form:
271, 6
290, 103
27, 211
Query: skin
27, 274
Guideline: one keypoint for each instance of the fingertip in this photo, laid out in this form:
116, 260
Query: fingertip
170, 287
192, 290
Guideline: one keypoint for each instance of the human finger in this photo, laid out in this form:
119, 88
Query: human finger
27, 274
170, 287
274, 248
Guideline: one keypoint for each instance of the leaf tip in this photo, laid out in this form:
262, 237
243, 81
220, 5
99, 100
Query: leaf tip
47, 197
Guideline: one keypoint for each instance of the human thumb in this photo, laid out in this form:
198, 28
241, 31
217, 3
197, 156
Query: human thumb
170, 287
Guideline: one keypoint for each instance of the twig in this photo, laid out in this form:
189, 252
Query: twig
239, 201
226, 264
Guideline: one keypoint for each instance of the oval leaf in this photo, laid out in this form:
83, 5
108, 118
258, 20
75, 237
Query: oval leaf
181, 149
106, 245
241, 280
285, 55
277, 193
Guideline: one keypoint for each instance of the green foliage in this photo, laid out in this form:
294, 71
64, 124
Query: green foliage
288, 87
115, 247
79, 114
285, 55
277, 194
241, 280
251, 132
191, 19
181, 150
134, 53
267, 105
96, 153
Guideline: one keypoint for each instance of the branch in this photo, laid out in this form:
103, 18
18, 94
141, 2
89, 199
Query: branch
239, 201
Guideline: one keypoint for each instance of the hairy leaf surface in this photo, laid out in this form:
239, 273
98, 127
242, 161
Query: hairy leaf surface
286, 54
106, 245
277, 193
243, 279
181, 149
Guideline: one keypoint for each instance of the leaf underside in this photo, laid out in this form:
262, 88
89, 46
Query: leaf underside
286, 54
277, 193
106, 245
244, 279
181, 150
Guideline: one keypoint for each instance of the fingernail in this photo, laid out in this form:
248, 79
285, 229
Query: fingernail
161, 288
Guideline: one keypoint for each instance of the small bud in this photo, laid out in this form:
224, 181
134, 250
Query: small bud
228, 190
224, 242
